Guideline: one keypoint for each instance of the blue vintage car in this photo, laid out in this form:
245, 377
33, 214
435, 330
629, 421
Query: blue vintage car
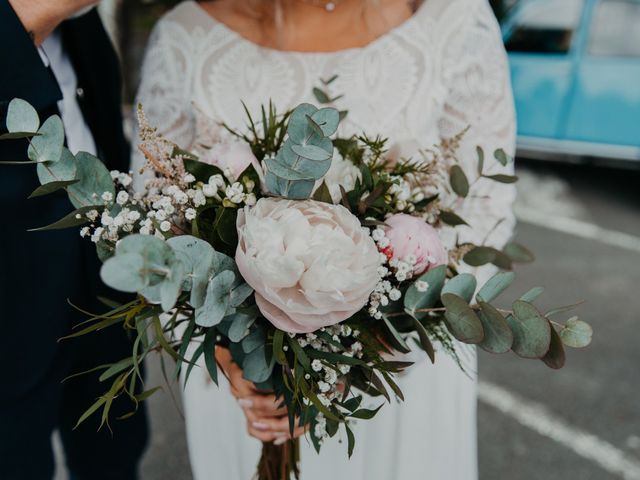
575, 67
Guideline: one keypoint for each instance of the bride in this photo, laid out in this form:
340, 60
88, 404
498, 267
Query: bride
414, 72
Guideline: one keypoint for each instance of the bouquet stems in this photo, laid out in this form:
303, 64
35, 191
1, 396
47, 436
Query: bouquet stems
279, 462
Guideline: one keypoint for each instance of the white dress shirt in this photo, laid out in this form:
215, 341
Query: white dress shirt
79, 137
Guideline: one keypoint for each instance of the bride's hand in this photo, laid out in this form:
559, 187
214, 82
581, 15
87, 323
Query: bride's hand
266, 419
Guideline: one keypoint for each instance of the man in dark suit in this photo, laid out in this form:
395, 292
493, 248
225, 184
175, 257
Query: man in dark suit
57, 56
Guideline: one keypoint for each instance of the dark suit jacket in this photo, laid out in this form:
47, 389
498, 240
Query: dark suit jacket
41, 270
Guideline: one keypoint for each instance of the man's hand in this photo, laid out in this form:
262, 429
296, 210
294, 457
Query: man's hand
266, 420
41, 17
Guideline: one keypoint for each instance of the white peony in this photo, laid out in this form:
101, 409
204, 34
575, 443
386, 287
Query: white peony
310, 263
341, 173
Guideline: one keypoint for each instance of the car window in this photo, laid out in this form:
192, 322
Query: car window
545, 26
616, 28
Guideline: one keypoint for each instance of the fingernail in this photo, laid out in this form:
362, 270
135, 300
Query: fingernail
245, 402
260, 426
280, 441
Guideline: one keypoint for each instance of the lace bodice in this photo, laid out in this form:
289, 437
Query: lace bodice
442, 70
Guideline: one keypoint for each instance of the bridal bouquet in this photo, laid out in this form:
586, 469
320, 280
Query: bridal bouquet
314, 259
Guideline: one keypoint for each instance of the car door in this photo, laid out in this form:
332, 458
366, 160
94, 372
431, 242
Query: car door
540, 38
605, 104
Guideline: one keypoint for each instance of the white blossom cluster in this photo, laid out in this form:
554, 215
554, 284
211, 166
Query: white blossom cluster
392, 274
326, 376
160, 208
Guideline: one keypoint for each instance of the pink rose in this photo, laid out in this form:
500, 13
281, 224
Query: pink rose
310, 263
232, 157
412, 236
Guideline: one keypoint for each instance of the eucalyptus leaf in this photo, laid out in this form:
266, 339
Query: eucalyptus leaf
498, 337
171, 286
47, 145
94, 178
495, 286
311, 152
415, 300
240, 323
463, 285
461, 320
197, 257
576, 333
22, 117
501, 156
328, 120
531, 331
125, 273
62, 170
555, 357
256, 367
532, 294
321, 96
255, 339
298, 127
240, 293
217, 300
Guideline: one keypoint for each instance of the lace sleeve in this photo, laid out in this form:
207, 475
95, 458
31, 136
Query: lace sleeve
164, 87
475, 71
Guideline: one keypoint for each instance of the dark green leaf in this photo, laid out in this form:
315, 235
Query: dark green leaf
69, 221
459, 181
461, 320
322, 193
501, 156
555, 357
531, 331
209, 346
365, 413
479, 256
452, 219
426, 344
48, 188
500, 178
396, 339
498, 337
480, 153
518, 253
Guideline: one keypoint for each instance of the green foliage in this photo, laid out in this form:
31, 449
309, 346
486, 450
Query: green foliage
531, 331
47, 145
415, 300
576, 333
93, 180
461, 320
22, 117
306, 155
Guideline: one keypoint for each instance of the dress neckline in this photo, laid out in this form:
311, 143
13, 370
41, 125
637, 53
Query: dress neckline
406, 24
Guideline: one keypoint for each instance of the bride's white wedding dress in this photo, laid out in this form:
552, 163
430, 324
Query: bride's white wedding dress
439, 72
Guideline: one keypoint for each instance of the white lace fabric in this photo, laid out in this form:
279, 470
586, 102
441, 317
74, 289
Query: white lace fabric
441, 71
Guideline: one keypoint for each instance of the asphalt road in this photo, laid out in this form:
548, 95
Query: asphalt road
580, 423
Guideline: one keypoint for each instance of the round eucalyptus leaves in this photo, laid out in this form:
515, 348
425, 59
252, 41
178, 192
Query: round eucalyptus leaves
306, 155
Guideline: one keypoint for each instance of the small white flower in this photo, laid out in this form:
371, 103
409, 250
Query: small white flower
199, 199
383, 271
386, 286
377, 234
331, 376
384, 300
133, 216
422, 286
324, 387
84, 232
107, 196
217, 181
377, 315
383, 242
190, 214
161, 215
122, 197
188, 178
316, 365
344, 369
92, 215
235, 192
250, 199
97, 234
356, 347
114, 174
401, 276
395, 294
144, 231
106, 219
124, 179
209, 190
169, 209
165, 226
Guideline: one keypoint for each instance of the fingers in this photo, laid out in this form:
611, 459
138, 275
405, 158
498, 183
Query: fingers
263, 405
271, 429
